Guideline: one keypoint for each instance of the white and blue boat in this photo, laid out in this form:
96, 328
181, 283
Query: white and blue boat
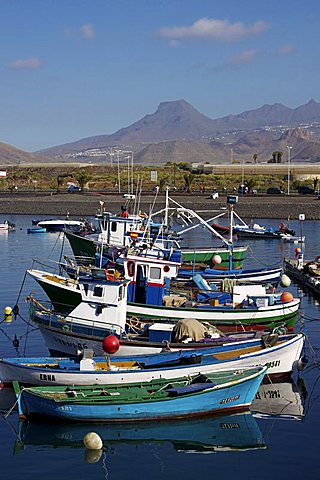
280, 353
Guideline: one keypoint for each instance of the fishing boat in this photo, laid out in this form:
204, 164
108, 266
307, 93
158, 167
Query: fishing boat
122, 232
58, 225
161, 399
279, 353
223, 433
257, 231
246, 307
305, 272
102, 309
213, 275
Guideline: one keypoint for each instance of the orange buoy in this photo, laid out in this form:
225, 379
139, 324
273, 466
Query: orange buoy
286, 297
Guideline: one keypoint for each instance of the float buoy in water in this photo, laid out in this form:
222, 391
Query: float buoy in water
7, 314
92, 441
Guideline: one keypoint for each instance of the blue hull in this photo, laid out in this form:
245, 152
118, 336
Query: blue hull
234, 396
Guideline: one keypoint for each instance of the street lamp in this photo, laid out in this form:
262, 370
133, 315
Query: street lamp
289, 160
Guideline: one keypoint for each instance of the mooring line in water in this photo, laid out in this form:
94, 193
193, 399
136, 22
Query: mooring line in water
310, 395
313, 353
15, 309
260, 261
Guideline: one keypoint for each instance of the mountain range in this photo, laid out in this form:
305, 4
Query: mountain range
176, 131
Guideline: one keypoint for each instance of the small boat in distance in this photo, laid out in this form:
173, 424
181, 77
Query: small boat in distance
59, 225
36, 230
7, 226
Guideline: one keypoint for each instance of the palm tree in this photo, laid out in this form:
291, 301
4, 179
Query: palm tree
162, 183
279, 156
82, 178
188, 180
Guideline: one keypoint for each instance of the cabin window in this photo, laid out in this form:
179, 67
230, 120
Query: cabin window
155, 273
114, 226
98, 291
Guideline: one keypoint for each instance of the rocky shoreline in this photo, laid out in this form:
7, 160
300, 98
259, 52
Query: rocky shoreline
87, 204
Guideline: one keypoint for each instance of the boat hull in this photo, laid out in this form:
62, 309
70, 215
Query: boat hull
64, 296
224, 318
235, 395
86, 247
250, 276
280, 360
206, 256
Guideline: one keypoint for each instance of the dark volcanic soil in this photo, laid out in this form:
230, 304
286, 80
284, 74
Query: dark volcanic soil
87, 204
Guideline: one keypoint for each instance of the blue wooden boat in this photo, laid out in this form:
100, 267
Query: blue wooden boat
194, 395
37, 230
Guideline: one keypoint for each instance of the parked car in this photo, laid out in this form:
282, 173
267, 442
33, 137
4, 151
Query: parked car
73, 189
242, 189
305, 190
129, 196
274, 191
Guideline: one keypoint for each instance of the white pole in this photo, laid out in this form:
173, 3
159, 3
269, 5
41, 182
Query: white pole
131, 172
118, 157
289, 164
128, 159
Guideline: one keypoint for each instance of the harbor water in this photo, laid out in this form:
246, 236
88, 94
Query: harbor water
279, 439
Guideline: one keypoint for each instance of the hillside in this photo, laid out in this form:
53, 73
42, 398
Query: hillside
10, 155
178, 132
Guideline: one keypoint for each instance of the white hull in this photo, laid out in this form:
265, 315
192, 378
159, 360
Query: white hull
281, 359
215, 314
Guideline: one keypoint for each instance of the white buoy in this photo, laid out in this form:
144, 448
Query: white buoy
285, 280
92, 441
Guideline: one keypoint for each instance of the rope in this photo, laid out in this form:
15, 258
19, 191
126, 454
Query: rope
15, 403
260, 261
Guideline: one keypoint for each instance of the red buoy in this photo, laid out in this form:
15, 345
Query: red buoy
110, 344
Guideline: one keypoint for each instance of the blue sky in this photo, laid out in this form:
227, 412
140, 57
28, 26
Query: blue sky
75, 68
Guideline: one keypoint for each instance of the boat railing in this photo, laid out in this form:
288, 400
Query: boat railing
44, 311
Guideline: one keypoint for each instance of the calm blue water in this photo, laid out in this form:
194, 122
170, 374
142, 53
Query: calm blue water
272, 446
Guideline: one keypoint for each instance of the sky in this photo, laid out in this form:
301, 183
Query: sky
71, 69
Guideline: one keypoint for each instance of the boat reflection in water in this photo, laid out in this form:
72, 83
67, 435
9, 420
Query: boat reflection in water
238, 432
283, 400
